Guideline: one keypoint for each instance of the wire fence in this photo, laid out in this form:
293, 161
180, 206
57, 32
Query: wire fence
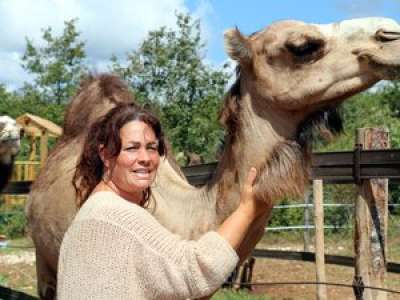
277, 207
354, 285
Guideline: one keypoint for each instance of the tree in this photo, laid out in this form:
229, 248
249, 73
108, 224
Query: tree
370, 109
168, 73
58, 66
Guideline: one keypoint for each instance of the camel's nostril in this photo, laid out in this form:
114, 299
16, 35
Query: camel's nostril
387, 36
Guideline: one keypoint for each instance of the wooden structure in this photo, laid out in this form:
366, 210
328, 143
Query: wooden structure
24, 171
37, 127
371, 221
319, 239
34, 128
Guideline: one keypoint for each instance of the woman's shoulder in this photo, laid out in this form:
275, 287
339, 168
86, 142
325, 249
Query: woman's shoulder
106, 205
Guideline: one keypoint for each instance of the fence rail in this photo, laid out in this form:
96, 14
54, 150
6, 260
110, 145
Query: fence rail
343, 167
332, 167
340, 260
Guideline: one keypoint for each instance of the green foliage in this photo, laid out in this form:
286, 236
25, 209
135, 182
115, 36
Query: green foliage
365, 110
16, 104
58, 65
239, 295
168, 73
3, 280
13, 225
378, 109
287, 216
391, 95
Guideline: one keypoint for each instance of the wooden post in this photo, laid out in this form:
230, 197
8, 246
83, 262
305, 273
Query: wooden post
32, 155
371, 217
306, 234
43, 147
319, 238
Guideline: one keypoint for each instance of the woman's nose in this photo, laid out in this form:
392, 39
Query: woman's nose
143, 155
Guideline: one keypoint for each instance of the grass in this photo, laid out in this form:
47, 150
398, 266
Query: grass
233, 295
3, 279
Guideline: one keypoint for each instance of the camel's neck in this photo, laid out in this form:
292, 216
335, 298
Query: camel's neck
265, 140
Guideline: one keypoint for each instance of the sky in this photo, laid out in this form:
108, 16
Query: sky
117, 27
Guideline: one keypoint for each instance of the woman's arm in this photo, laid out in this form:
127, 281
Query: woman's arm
237, 225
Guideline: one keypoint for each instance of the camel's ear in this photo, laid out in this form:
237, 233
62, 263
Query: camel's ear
237, 45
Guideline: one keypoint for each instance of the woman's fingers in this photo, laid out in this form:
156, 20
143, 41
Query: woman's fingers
251, 177
247, 189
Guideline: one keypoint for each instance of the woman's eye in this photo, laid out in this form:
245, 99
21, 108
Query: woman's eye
152, 148
132, 148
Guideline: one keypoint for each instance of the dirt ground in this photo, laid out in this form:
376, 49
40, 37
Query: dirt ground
273, 270
17, 270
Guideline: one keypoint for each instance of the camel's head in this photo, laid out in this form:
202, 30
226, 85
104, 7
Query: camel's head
301, 67
10, 134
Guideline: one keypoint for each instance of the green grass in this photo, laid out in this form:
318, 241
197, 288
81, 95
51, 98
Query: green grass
3, 279
17, 245
232, 295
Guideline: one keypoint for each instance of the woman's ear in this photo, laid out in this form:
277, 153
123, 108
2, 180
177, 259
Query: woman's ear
103, 156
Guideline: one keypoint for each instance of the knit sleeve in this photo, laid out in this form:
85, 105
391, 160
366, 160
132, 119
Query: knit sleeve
207, 263
176, 268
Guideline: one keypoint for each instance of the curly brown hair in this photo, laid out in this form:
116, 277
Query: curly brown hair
105, 133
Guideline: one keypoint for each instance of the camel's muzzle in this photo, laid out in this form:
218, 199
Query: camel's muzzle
385, 58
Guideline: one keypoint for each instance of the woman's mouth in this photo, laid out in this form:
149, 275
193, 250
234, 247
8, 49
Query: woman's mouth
142, 173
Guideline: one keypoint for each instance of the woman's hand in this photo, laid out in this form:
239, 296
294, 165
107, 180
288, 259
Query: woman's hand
248, 202
235, 227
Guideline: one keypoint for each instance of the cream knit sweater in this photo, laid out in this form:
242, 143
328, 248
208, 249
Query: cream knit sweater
117, 250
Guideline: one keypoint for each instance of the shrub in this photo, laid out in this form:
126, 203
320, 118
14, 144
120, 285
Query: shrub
12, 222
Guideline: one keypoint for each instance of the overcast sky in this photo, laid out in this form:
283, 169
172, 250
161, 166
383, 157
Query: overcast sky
118, 26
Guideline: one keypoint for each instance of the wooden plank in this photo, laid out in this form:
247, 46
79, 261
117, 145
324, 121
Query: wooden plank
44, 139
371, 214
339, 260
346, 158
327, 159
17, 188
307, 218
319, 239
366, 172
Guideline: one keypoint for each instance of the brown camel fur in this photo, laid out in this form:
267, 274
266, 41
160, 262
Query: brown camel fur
289, 76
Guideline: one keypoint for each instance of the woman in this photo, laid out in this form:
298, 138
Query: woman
115, 249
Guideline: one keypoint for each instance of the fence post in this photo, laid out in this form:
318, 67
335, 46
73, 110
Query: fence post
319, 238
44, 138
371, 214
306, 234
32, 154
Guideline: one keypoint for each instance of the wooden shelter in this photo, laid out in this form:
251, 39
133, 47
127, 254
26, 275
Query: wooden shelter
37, 127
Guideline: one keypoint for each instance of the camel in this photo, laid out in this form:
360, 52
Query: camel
291, 76
10, 135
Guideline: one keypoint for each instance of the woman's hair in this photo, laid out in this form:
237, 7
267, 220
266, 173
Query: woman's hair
105, 134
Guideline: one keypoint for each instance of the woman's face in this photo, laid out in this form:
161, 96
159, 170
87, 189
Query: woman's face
136, 165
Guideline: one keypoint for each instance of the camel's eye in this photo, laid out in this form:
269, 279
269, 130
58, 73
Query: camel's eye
305, 48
